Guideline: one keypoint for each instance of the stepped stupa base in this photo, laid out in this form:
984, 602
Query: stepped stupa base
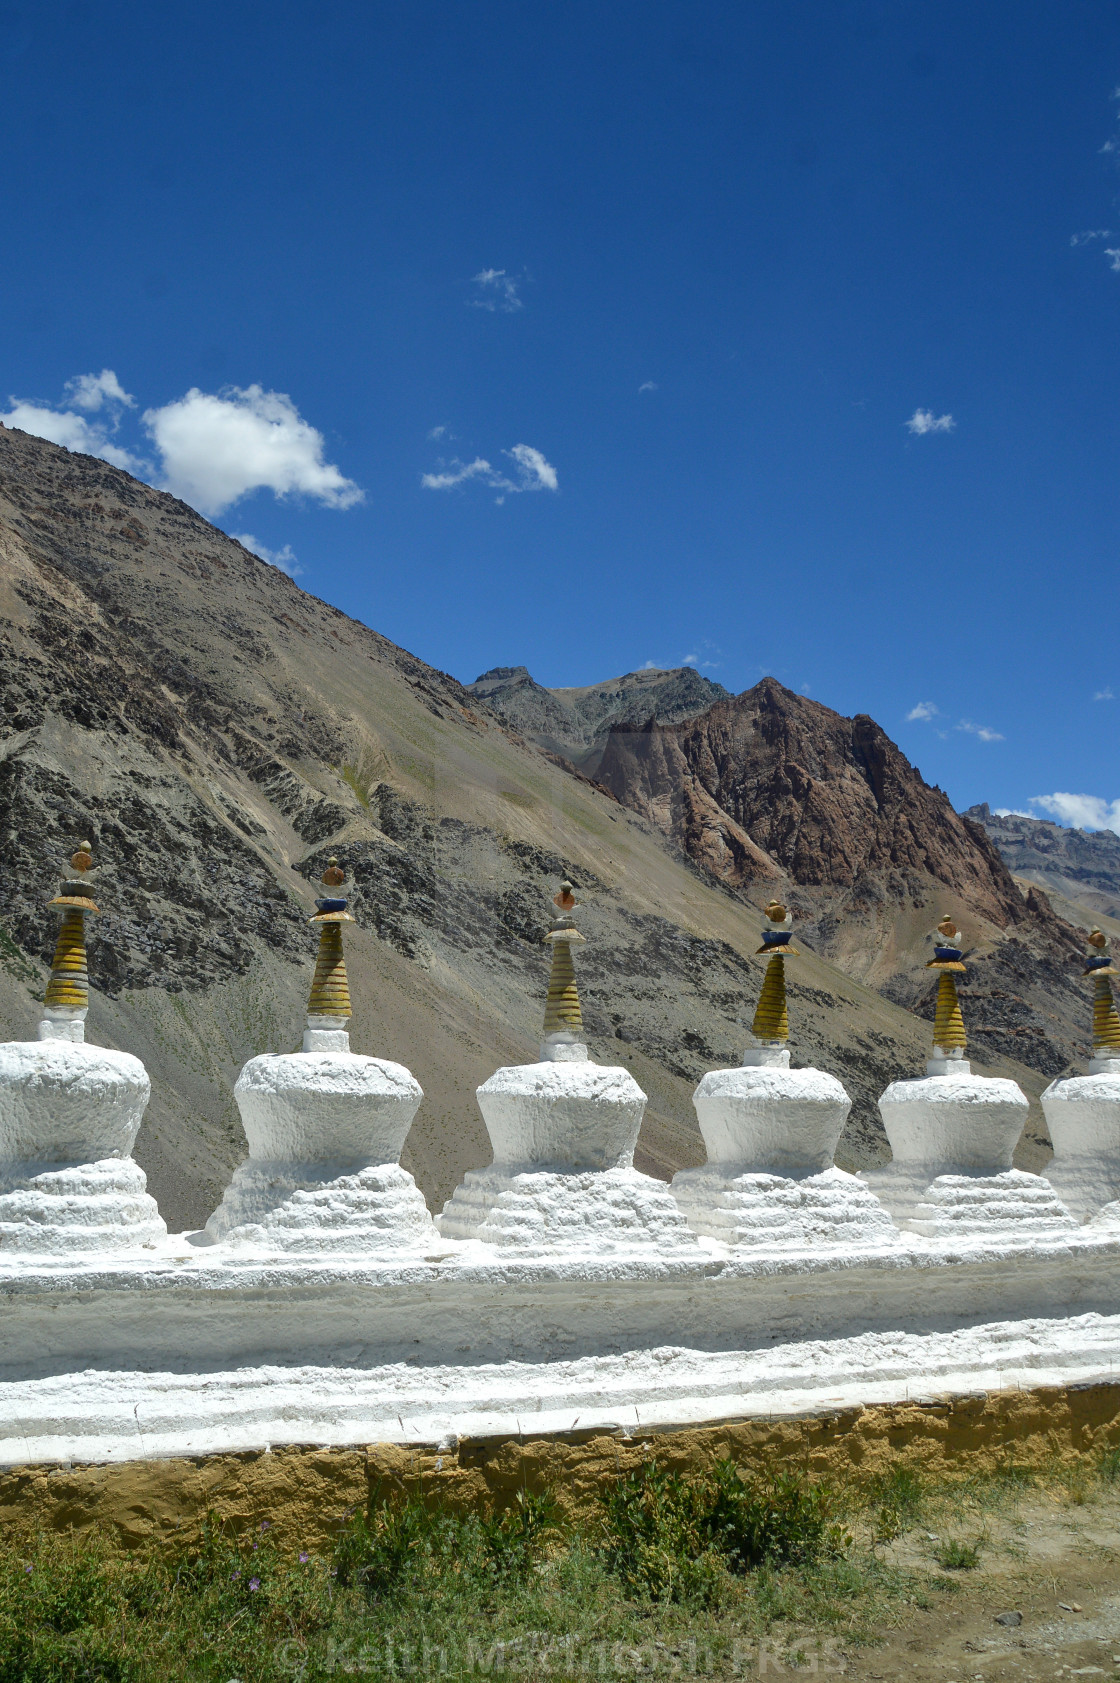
752, 1208
1002, 1206
64, 1209
294, 1207
543, 1213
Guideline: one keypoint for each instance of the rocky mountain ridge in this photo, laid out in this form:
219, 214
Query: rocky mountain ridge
1080, 865
575, 723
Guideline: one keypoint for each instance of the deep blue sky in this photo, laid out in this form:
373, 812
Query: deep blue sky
802, 223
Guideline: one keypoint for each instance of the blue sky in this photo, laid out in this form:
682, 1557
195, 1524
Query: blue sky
586, 336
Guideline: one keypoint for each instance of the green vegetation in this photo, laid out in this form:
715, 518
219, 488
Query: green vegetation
956, 1556
671, 1575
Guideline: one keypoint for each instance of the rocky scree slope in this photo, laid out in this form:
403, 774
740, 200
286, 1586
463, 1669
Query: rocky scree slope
770, 789
1080, 865
217, 732
575, 723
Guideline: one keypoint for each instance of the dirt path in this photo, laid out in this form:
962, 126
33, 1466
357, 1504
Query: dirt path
1054, 1562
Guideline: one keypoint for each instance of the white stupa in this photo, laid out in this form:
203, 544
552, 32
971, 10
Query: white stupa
563, 1130
69, 1114
1083, 1111
952, 1135
325, 1128
771, 1133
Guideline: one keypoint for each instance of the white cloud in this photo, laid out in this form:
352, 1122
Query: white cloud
436, 432
65, 426
1083, 812
93, 391
982, 731
215, 449
1104, 695
924, 420
534, 473
924, 710
1011, 812
498, 290
284, 558
1089, 235
648, 386
650, 666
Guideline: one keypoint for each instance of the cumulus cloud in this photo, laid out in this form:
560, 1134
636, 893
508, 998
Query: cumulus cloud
984, 732
924, 420
69, 425
648, 386
924, 710
1104, 695
98, 391
497, 290
1011, 812
1082, 812
215, 449
284, 559
531, 470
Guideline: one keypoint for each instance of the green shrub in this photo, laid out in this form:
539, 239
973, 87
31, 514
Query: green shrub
401, 1546
1109, 1465
671, 1537
955, 1556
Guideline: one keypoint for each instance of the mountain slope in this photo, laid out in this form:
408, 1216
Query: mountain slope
217, 732
770, 788
1081, 866
575, 723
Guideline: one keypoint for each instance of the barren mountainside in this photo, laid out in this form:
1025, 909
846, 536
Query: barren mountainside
217, 732
575, 723
1080, 865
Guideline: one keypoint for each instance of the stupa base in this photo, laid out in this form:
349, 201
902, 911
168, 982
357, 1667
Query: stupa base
293, 1207
68, 1208
961, 1206
543, 1213
828, 1207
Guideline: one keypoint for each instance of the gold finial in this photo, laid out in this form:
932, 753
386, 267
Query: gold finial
771, 1018
330, 989
1106, 1020
562, 1011
68, 988
948, 1020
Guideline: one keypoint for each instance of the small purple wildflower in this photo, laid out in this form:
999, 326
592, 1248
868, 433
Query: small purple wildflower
254, 1583
234, 1575
31, 1568
266, 1524
304, 1557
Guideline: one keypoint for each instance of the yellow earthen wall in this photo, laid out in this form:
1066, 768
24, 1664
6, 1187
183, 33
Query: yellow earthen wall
307, 1493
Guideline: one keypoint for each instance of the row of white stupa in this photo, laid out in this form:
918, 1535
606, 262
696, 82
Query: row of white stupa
325, 1129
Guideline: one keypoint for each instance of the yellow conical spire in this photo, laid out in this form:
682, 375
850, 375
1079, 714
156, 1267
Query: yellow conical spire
330, 991
1106, 1020
68, 989
562, 1013
948, 1023
771, 1019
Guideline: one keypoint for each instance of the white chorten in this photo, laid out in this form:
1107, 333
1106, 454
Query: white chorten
1083, 1111
69, 1114
771, 1133
952, 1134
563, 1130
325, 1129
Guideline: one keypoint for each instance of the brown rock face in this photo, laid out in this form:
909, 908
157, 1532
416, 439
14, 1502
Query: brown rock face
768, 783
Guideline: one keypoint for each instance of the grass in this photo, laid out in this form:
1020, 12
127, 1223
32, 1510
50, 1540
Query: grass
666, 1568
670, 1574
